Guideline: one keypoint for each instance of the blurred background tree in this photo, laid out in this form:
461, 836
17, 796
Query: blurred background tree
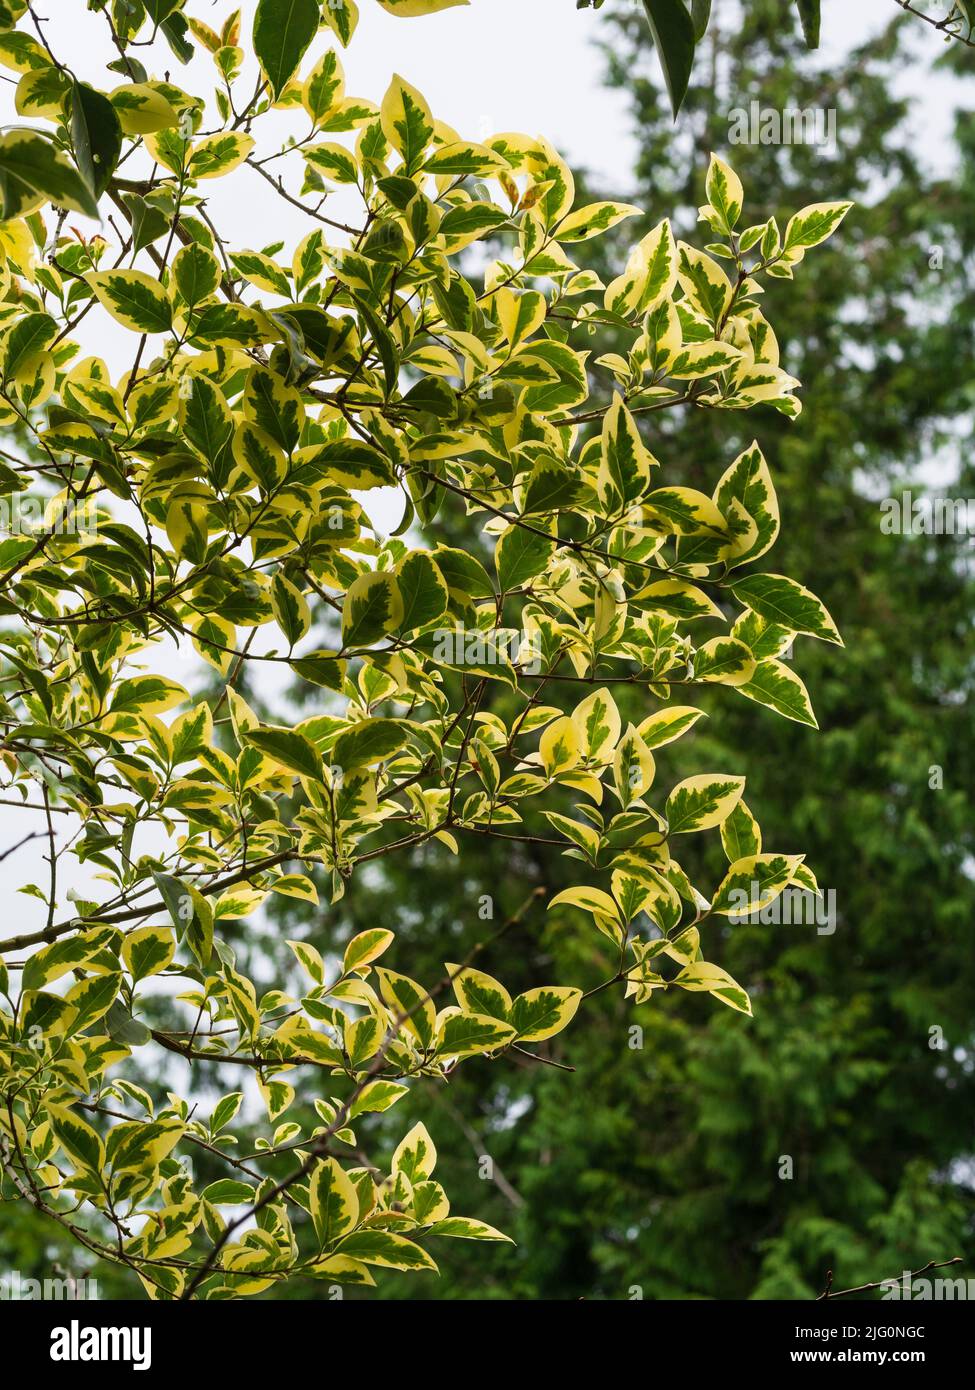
658, 1167
709, 1155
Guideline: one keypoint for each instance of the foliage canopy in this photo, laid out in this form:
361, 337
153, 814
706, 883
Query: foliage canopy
217, 494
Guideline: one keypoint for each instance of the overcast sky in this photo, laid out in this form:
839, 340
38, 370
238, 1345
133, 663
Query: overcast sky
528, 65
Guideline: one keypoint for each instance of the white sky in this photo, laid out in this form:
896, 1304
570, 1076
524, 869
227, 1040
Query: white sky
528, 65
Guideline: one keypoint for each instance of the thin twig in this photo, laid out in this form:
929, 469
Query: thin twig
881, 1283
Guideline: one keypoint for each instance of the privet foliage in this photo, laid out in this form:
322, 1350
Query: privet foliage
219, 493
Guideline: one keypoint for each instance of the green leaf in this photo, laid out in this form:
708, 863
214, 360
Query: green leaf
42, 94
376, 1097
206, 419
814, 224
571, 386
594, 900
368, 742
626, 461
415, 1155
333, 160
706, 285
633, 767
753, 882
147, 951
48, 1013
781, 600
649, 277
680, 600
406, 121
191, 915
740, 834
550, 487
227, 1192
134, 299
597, 217
725, 661
175, 28
429, 1203
96, 134
465, 576
147, 695
141, 109
30, 335
231, 325
700, 802
521, 554
711, 979
385, 1249
463, 157
685, 511
746, 499
92, 997
320, 668
478, 993
349, 463
774, 684
541, 1013
290, 608
724, 193
367, 946
261, 271
196, 272
464, 1034
261, 459
30, 164
810, 17
147, 222
673, 34
216, 155
598, 724
470, 222
333, 1200
432, 397
412, 1005
384, 343
324, 87
79, 1141
342, 16
407, 9
283, 29
466, 1229
292, 750
700, 14
135, 1147
422, 590
225, 1110
53, 961
160, 10
372, 608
